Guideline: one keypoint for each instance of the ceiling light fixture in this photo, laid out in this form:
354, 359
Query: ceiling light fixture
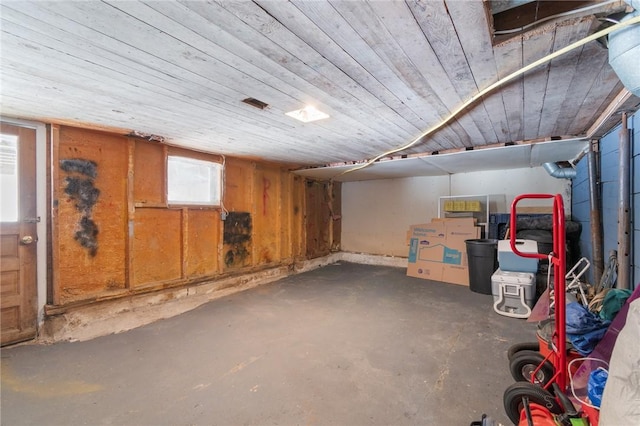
308, 114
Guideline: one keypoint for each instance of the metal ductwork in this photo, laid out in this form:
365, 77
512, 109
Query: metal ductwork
560, 172
624, 51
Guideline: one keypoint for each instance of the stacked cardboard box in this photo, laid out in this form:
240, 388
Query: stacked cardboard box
437, 250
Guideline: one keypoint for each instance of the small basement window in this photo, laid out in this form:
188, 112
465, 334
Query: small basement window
193, 182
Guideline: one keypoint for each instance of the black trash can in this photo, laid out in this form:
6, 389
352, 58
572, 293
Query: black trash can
483, 262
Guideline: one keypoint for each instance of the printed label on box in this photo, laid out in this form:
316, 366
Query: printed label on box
437, 250
413, 250
452, 256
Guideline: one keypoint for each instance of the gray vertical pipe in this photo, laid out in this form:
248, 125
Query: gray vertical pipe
595, 217
624, 207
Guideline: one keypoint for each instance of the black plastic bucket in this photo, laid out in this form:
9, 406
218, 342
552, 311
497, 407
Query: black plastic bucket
482, 255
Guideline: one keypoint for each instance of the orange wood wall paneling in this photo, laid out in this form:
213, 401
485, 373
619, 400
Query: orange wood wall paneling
296, 227
149, 173
238, 185
92, 214
317, 215
238, 230
113, 232
336, 208
203, 240
267, 218
157, 246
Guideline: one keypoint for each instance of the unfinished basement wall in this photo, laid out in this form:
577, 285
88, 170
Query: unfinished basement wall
114, 235
378, 213
609, 187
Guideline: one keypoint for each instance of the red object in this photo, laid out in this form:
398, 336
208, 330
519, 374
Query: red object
553, 348
558, 355
540, 416
592, 414
546, 350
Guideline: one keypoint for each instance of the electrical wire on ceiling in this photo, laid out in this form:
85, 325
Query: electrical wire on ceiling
501, 82
559, 15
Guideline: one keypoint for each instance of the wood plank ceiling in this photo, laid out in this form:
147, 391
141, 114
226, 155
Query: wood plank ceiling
385, 71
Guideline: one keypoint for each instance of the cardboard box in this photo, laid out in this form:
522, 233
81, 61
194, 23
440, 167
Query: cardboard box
437, 250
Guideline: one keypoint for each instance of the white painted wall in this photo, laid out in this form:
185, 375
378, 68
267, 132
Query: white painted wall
512, 183
376, 214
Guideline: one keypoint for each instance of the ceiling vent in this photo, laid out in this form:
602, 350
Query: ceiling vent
255, 103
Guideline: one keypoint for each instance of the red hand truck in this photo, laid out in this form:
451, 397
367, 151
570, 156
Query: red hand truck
549, 397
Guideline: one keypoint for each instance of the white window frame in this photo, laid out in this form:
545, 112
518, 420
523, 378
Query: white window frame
186, 175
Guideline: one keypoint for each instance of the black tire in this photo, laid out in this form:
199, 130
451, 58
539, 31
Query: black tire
524, 346
513, 399
524, 363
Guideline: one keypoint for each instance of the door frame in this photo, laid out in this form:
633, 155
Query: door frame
41, 210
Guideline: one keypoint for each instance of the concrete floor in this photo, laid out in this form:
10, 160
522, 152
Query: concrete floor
347, 344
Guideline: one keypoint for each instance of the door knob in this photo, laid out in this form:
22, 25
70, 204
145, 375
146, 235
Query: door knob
26, 240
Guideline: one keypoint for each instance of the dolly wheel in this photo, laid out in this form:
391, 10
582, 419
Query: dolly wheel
513, 399
524, 363
524, 346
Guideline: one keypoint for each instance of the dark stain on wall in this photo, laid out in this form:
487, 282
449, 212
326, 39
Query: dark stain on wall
236, 256
237, 238
83, 167
82, 191
79, 186
87, 235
